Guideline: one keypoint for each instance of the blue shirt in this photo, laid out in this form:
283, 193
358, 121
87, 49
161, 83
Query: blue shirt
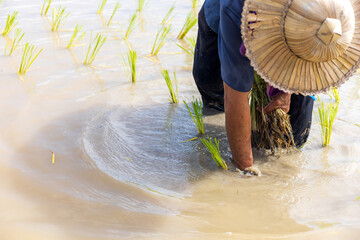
236, 70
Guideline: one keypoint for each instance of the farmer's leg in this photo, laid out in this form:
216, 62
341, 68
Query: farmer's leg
206, 69
301, 110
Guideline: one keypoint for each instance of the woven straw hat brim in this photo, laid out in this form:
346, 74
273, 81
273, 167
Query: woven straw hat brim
277, 64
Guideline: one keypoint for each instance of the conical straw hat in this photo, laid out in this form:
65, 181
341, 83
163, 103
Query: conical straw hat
302, 46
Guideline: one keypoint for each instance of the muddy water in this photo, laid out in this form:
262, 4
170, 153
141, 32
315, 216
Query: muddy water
122, 169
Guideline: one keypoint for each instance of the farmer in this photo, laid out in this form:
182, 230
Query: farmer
224, 79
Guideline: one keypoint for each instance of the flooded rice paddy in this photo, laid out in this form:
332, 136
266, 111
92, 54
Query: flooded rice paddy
122, 169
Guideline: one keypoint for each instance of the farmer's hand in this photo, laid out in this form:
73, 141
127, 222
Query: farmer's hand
281, 101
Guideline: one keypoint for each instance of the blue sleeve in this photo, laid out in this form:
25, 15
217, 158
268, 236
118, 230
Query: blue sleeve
235, 68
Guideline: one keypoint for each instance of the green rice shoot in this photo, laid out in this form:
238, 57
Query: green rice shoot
101, 6
326, 115
214, 149
117, 6
191, 42
160, 39
58, 17
194, 4
168, 17
269, 131
45, 7
174, 93
197, 115
95, 45
131, 26
190, 22
129, 63
334, 93
140, 5
30, 53
18, 35
75, 38
10, 23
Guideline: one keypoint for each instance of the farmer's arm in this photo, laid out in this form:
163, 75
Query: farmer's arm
238, 78
238, 126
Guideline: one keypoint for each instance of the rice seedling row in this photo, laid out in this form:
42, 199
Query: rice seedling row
30, 53
190, 22
94, 47
160, 39
58, 17
10, 23
117, 6
75, 38
129, 63
174, 92
101, 6
214, 149
45, 7
197, 115
18, 35
191, 42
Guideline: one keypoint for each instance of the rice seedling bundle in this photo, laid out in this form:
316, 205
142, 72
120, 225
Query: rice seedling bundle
272, 130
131, 26
197, 115
30, 53
141, 4
160, 39
194, 3
117, 6
215, 151
168, 17
75, 38
326, 115
95, 45
45, 7
18, 35
191, 42
101, 6
190, 22
58, 17
174, 93
129, 63
10, 23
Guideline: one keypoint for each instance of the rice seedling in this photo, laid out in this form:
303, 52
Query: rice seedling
194, 4
101, 6
129, 63
58, 17
168, 17
174, 93
141, 4
117, 6
326, 115
95, 45
272, 130
335, 94
191, 42
52, 157
10, 23
358, 125
18, 35
215, 152
30, 53
45, 7
190, 22
75, 38
197, 116
131, 26
160, 39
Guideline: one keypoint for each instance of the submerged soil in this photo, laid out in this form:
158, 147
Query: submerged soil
122, 169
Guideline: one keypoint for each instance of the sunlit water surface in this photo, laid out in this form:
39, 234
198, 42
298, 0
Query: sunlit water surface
123, 166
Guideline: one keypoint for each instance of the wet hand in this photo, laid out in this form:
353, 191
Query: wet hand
250, 171
281, 101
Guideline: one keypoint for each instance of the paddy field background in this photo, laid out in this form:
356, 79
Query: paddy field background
122, 169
